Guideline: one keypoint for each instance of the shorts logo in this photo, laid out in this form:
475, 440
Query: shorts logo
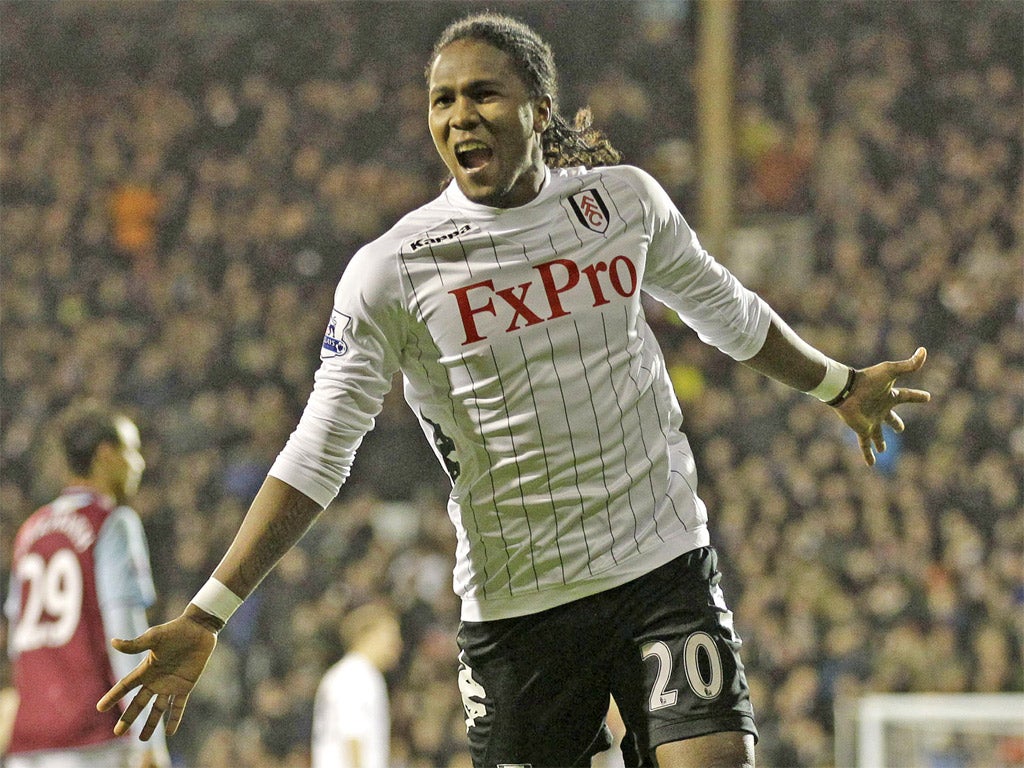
473, 694
590, 210
334, 345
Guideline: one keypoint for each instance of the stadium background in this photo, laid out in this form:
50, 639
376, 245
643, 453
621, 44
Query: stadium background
182, 184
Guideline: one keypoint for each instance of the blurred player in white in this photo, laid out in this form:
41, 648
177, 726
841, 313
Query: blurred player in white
80, 574
351, 715
512, 306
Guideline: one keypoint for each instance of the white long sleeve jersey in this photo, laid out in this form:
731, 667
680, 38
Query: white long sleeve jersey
527, 358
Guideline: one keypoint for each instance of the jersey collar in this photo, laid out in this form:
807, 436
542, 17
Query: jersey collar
460, 201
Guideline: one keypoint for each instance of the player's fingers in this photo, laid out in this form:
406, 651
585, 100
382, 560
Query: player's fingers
135, 645
896, 368
121, 687
904, 395
878, 437
159, 706
133, 710
894, 421
892, 370
912, 363
175, 711
865, 449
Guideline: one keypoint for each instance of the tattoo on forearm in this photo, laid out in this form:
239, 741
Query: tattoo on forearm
279, 534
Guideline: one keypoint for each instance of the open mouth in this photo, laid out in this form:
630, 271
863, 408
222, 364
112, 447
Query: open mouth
473, 155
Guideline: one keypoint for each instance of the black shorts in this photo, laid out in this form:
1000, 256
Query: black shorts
536, 687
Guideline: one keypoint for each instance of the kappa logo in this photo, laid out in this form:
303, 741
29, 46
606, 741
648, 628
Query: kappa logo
473, 694
590, 209
443, 238
334, 344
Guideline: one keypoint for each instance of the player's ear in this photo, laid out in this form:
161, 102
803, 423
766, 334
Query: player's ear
105, 453
542, 113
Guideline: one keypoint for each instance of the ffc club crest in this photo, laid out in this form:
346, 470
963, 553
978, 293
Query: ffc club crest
590, 210
334, 345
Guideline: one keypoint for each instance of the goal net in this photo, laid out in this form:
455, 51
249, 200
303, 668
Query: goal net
931, 731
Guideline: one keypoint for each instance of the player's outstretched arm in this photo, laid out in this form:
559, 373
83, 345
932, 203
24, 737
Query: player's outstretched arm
865, 407
874, 396
177, 652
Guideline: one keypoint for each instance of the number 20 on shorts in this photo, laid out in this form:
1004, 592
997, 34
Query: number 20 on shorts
704, 679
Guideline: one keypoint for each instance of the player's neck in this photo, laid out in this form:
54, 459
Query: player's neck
94, 484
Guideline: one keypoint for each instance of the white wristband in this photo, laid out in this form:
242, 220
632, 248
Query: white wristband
217, 600
836, 378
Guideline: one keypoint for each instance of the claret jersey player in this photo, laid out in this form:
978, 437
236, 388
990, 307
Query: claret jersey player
526, 355
80, 569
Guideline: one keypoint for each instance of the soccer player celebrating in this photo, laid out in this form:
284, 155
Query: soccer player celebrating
512, 305
80, 573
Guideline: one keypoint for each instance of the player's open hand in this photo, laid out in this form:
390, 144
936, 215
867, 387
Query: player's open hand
873, 398
177, 655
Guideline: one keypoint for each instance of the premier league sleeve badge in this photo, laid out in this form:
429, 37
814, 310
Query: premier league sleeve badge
334, 342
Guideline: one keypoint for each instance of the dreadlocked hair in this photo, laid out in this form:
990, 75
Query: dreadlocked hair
564, 144
577, 144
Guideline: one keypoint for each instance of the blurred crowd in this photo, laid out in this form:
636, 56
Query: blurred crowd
182, 184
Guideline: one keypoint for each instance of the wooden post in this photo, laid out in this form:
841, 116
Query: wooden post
715, 64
